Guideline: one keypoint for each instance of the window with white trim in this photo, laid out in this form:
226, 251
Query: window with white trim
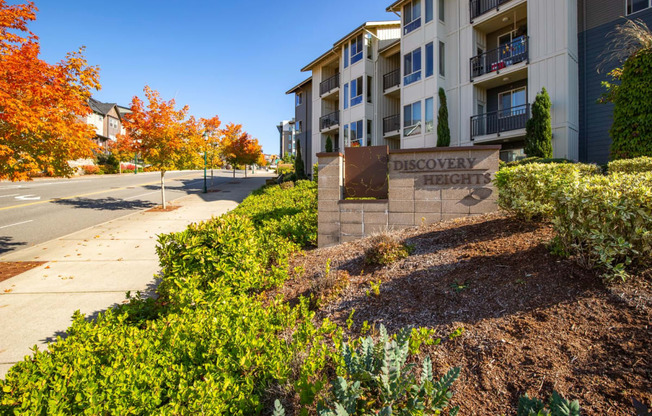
356, 134
346, 135
346, 55
412, 119
346, 96
369, 91
442, 11
369, 126
634, 6
430, 59
370, 46
512, 103
442, 62
356, 49
411, 16
299, 100
356, 91
430, 115
412, 67
429, 10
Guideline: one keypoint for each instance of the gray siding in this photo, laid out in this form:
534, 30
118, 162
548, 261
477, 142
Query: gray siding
595, 118
303, 114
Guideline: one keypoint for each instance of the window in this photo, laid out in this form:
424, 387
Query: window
113, 123
299, 127
346, 135
430, 115
356, 49
356, 134
512, 102
346, 96
346, 55
442, 62
429, 11
634, 6
442, 11
412, 119
411, 16
412, 67
369, 85
299, 99
356, 91
369, 124
370, 47
430, 60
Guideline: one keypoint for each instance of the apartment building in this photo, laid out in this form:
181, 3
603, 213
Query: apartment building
303, 122
106, 118
286, 138
491, 57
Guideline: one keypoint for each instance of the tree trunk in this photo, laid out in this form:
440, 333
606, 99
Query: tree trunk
163, 189
246, 167
233, 171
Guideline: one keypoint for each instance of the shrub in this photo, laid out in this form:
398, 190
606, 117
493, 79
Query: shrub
538, 129
283, 169
556, 406
443, 131
108, 161
90, 169
637, 165
299, 168
606, 221
526, 191
329, 144
528, 160
385, 249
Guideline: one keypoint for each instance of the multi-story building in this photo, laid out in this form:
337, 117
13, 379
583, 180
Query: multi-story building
286, 137
303, 122
491, 58
107, 120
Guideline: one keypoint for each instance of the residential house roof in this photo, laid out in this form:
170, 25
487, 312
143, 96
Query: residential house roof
299, 86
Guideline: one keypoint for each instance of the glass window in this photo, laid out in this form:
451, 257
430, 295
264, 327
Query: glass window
430, 60
356, 91
412, 67
442, 11
634, 6
299, 99
411, 16
370, 47
356, 134
512, 102
356, 49
412, 119
442, 63
430, 115
369, 85
429, 11
346, 55
346, 135
369, 125
299, 127
346, 96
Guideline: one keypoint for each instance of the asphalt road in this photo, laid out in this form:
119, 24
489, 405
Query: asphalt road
42, 210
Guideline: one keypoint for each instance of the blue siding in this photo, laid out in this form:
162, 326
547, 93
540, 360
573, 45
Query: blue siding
596, 118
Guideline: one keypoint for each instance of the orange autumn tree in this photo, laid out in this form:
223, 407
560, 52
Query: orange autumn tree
42, 106
159, 133
238, 147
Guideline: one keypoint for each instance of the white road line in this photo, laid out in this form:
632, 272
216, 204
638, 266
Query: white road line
138, 196
7, 196
18, 223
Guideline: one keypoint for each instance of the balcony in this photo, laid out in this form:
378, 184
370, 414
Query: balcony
392, 79
329, 85
497, 122
513, 53
392, 125
329, 121
480, 7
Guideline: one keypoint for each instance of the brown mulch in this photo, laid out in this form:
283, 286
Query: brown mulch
167, 209
533, 322
9, 269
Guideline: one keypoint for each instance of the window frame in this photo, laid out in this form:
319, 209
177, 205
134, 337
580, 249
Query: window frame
346, 135
430, 59
359, 134
299, 99
415, 74
345, 104
369, 90
430, 124
369, 46
359, 49
430, 11
628, 13
508, 112
369, 131
442, 11
442, 59
415, 126
346, 55
415, 23
358, 90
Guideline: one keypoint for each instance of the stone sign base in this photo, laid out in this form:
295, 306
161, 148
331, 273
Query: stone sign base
425, 186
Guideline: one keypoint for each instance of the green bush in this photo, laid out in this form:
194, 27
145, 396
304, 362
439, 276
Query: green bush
385, 249
527, 190
637, 165
606, 221
556, 406
283, 169
528, 160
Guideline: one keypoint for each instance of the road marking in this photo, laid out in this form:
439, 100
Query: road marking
29, 197
7, 196
18, 223
87, 194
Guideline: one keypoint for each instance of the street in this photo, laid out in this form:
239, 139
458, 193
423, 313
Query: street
42, 210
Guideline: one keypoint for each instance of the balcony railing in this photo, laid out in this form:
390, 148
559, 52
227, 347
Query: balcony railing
392, 123
329, 120
496, 59
507, 119
480, 7
329, 84
392, 79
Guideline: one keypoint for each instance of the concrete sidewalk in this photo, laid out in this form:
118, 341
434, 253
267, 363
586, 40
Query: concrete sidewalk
92, 269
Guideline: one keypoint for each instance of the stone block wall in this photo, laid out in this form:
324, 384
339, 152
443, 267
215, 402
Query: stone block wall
425, 186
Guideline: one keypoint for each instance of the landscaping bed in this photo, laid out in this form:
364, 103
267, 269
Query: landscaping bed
533, 322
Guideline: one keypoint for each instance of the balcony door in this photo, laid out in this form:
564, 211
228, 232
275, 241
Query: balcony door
512, 109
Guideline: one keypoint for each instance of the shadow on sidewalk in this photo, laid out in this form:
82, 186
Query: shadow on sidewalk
7, 245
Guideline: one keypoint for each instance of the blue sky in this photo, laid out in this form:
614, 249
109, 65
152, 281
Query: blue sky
234, 59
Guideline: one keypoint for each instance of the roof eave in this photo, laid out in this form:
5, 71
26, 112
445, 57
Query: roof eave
300, 85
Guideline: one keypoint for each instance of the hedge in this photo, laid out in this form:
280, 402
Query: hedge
637, 165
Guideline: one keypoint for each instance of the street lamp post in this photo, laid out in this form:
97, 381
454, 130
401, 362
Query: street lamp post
135, 163
206, 141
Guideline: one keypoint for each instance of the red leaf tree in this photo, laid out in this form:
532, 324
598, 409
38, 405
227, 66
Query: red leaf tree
238, 147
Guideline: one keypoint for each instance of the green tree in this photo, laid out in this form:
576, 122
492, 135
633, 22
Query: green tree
329, 144
299, 169
443, 131
538, 129
631, 91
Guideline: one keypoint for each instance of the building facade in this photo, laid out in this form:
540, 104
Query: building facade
286, 138
106, 118
303, 122
380, 83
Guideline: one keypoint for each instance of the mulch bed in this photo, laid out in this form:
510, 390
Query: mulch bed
533, 322
9, 269
167, 209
